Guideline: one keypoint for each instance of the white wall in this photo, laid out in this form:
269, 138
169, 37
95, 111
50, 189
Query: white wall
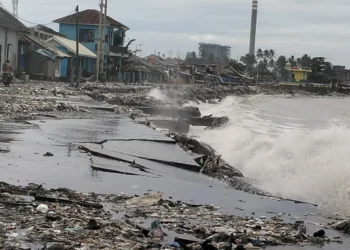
12, 38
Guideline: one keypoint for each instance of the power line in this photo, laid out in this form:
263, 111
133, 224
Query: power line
22, 19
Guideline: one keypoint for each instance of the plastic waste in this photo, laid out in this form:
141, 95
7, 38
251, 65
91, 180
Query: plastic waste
156, 232
42, 208
175, 244
302, 229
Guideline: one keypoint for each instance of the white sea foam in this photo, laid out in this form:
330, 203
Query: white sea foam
293, 155
157, 94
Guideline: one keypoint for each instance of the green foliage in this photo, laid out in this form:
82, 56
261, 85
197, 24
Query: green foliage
265, 64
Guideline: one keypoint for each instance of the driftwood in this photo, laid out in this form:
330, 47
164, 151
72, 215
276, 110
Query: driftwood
15, 203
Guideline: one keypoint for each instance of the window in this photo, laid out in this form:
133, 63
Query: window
108, 38
86, 35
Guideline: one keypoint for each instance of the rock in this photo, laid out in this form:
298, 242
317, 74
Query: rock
93, 225
48, 154
42, 208
319, 234
212, 122
57, 247
343, 226
201, 98
52, 216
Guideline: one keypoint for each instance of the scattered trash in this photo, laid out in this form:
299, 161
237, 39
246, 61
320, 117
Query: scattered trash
95, 227
343, 226
146, 200
302, 229
52, 216
48, 154
92, 225
42, 208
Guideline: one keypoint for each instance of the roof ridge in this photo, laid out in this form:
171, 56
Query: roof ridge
89, 16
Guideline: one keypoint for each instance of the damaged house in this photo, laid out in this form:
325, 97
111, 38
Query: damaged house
10, 28
48, 55
114, 36
137, 69
40, 60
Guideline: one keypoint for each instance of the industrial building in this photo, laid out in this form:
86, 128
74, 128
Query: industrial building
214, 53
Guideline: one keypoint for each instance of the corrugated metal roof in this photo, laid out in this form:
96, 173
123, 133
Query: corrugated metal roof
89, 17
71, 46
45, 45
10, 21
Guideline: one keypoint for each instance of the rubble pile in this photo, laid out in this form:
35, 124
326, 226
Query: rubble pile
33, 216
127, 111
41, 89
207, 92
17, 106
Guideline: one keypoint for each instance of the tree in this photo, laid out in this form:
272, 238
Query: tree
266, 54
305, 61
281, 70
259, 54
292, 61
322, 71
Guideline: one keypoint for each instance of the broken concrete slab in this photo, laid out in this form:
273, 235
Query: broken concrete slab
172, 125
119, 167
181, 112
150, 166
95, 130
208, 121
170, 154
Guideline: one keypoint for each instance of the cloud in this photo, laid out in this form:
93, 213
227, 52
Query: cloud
204, 38
315, 27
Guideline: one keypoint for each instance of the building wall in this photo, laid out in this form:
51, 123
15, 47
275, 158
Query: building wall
69, 30
40, 65
12, 38
214, 52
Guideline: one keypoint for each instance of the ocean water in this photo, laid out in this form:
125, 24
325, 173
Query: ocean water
293, 147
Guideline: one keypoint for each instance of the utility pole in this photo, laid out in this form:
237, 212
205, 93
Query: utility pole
77, 47
99, 43
104, 37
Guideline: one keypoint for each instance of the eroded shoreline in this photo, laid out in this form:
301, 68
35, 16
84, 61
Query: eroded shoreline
45, 102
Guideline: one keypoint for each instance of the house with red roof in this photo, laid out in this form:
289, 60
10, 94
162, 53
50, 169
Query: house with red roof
113, 38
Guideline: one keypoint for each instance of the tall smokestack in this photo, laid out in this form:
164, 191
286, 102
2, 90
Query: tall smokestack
253, 27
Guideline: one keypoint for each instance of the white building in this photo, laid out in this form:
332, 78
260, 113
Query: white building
9, 30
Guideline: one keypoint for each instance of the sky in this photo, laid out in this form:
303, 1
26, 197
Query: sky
290, 27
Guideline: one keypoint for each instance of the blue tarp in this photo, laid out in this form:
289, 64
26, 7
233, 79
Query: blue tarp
46, 53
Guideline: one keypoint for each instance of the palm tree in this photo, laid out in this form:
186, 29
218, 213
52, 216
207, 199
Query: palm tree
266, 54
259, 54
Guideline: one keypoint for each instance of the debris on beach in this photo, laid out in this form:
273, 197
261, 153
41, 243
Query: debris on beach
139, 222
